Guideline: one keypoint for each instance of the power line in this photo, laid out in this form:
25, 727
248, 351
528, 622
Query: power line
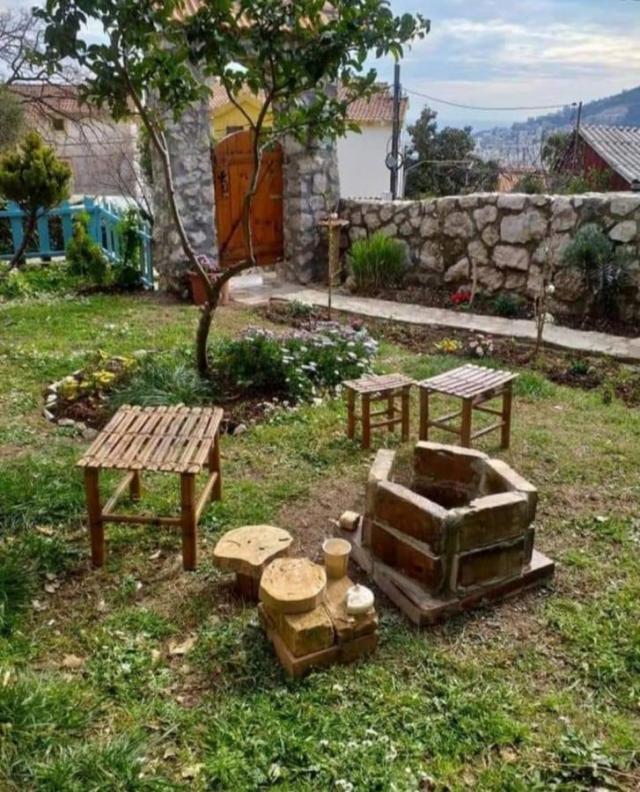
489, 109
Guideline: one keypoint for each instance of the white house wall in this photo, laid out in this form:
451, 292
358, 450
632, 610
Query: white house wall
361, 163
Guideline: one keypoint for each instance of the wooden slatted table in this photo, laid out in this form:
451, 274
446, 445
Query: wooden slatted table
181, 440
375, 388
474, 385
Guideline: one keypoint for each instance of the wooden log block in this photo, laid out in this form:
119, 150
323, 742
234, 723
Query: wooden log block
304, 633
250, 549
292, 585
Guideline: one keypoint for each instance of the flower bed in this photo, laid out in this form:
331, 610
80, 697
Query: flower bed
297, 365
81, 398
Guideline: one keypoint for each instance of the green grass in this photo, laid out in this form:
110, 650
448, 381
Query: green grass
539, 693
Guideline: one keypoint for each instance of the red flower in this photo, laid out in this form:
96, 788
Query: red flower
460, 297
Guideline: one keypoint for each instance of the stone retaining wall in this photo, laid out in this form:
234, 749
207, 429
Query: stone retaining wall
506, 238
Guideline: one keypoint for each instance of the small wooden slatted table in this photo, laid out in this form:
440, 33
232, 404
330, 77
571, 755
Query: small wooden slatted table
180, 440
474, 385
377, 388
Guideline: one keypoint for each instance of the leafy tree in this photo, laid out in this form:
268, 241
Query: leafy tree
553, 150
442, 161
283, 52
11, 119
33, 177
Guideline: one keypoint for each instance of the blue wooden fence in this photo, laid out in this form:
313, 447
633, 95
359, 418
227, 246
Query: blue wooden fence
55, 229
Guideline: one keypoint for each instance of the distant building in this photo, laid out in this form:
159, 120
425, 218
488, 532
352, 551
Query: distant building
102, 153
602, 149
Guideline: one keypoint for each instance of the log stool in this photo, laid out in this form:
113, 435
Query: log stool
179, 440
474, 385
378, 388
247, 551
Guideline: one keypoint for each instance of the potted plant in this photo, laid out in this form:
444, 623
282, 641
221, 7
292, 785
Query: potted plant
198, 292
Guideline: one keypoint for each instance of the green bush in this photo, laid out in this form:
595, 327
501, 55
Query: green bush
508, 305
296, 366
604, 267
128, 272
531, 184
84, 256
34, 280
377, 262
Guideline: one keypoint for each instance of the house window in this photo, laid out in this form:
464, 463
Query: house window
58, 124
232, 129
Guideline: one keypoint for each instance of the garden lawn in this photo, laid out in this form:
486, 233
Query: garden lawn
139, 676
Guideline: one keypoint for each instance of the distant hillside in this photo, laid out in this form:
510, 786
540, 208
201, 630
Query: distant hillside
520, 143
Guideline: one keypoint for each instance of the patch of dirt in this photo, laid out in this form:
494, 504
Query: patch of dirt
310, 519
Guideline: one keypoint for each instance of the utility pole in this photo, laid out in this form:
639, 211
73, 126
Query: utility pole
395, 135
576, 141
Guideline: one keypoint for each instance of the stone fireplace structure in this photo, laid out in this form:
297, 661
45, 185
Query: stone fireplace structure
459, 536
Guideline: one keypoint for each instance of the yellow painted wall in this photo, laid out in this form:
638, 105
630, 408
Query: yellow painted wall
230, 116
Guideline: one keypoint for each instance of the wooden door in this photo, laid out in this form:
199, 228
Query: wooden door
232, 167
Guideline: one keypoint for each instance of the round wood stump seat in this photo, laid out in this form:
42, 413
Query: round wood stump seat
293, 585
248, 550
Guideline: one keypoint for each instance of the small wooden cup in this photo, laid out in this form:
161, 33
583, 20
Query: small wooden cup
336, 557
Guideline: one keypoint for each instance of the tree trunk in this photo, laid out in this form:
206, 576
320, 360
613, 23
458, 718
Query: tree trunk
16, 261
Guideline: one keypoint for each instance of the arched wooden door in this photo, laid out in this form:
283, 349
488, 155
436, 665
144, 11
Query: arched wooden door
232, 167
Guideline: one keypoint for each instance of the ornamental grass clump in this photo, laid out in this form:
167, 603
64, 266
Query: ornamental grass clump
296, 366
377, 262
604, 266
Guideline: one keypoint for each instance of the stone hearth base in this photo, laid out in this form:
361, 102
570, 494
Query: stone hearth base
423, 608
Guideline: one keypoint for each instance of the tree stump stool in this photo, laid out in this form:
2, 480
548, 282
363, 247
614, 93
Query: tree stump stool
247, 551
474, 385
378, 388
179, 440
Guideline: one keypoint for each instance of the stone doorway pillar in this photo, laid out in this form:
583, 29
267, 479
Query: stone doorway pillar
311, 191
189, 142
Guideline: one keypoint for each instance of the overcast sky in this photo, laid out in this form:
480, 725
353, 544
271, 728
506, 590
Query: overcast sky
514, 53
520, 52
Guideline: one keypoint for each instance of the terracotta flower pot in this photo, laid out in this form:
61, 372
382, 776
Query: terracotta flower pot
199, 293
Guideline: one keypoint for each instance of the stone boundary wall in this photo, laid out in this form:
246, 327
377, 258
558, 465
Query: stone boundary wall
506, 238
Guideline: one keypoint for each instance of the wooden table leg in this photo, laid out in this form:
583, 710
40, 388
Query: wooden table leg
406, 413
391, 411
351, 414
507, 400
424, 414
188, 517
96, 526
366, 420
134, 486
465, 430
214, 466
